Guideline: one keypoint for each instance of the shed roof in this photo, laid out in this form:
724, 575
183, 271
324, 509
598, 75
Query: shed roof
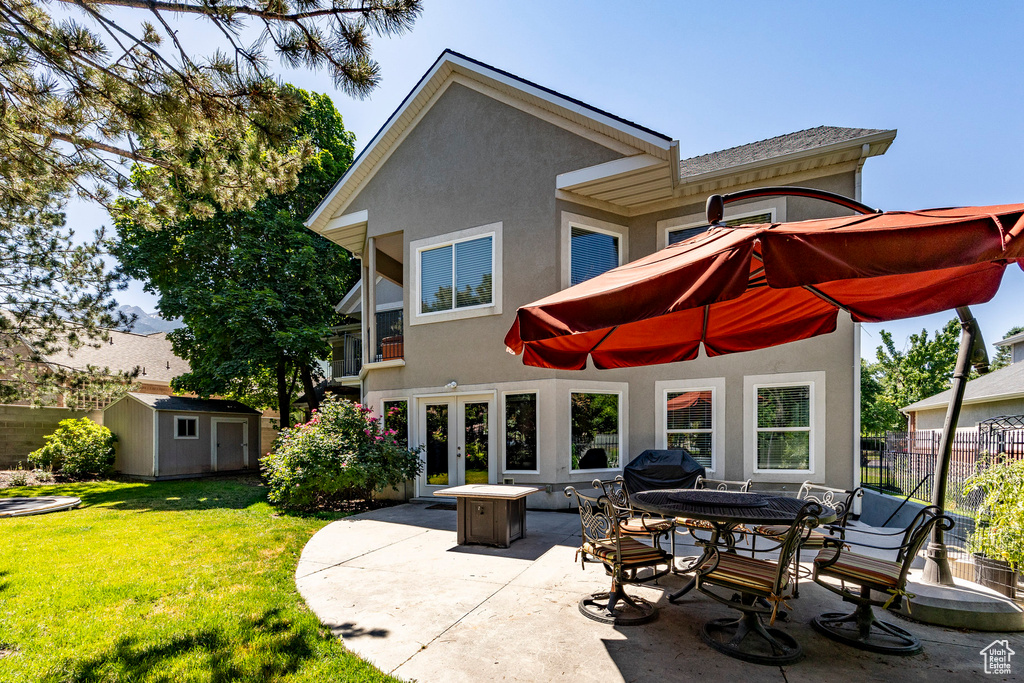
1004, 383
189, 404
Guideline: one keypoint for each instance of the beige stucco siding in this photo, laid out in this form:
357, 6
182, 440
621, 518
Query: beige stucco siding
473, 161
132, 423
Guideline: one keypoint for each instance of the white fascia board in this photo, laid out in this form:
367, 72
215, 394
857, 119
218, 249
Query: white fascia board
609, 169
967, 401
886, 137
346, 305
349, 220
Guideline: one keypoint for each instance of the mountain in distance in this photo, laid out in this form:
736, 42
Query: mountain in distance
148, 323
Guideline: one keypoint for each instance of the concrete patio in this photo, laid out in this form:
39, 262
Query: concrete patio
402, 594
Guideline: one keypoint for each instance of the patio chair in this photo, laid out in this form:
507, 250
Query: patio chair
756, 588
623, 558
840, 500
887, 578
691, 525
636, 522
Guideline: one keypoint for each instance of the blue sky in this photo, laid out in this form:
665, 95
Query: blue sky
947, 75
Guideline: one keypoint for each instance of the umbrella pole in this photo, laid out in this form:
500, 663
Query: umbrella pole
972, 351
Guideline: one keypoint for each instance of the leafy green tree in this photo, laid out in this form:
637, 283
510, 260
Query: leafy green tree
923, 369
877, 415
92, 89
255, 288
55, 296
1003, 357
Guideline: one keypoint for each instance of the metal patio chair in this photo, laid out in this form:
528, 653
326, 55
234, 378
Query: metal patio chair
623, 557
691, 525
840, 500
756, 588
888, 578
636, 522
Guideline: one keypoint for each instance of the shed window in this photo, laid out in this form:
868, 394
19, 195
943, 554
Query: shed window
186, 427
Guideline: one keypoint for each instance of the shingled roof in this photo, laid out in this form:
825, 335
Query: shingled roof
1002, 384
778, 146
125, 351
189, 404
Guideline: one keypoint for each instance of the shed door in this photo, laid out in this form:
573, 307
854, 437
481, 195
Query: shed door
230, 445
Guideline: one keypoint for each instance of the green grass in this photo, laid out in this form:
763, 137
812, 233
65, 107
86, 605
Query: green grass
168, 581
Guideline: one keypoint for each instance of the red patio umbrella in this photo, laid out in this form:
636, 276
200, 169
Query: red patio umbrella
749, 287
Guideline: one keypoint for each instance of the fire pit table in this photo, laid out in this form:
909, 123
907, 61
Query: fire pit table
489, 514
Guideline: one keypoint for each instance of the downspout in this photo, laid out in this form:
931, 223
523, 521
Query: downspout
864, 150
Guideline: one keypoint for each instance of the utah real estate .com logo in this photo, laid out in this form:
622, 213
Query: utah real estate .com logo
997, 657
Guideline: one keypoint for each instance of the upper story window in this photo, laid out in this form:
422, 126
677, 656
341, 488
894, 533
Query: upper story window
590, 247
457, 275
680, 234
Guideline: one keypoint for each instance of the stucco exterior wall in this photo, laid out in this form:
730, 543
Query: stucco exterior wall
473, 161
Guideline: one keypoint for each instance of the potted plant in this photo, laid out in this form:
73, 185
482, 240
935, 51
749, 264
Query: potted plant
998, 540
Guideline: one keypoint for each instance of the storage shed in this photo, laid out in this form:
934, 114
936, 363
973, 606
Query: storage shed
171, 437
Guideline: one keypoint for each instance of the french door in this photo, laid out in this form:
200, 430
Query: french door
458, 437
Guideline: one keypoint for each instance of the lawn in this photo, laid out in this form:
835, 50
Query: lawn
169, 581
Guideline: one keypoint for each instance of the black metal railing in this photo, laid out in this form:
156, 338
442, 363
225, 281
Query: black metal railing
390, 336
902, 464
347, 359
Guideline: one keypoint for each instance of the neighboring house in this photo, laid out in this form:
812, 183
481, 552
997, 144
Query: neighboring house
484, 192
23, 427
996, 394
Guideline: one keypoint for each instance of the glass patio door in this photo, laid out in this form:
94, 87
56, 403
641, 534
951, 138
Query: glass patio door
457, 436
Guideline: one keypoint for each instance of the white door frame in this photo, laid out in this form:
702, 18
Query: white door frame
214, 422
456, 437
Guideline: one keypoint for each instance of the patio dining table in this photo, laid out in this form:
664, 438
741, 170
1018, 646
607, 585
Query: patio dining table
724, 511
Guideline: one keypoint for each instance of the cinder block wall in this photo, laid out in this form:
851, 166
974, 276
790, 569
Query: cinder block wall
22, 429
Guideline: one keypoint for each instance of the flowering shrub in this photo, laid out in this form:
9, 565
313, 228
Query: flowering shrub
340, 454
79, 448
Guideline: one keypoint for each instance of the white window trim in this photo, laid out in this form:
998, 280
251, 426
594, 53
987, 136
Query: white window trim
716, 385
816, 460
571, 220
178, 418
504, 442
777, 207
622, 440
494, 230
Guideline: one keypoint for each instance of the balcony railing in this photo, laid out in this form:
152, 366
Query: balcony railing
390, 336
347, 360
350, 361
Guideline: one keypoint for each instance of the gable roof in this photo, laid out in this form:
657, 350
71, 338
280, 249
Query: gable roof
613, 131
188, 404
1010, 341
998, 385
772, 148
126, 351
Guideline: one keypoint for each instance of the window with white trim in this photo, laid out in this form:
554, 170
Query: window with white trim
457, 275
595, 430
186, 427
592, 252
521, 432
690, 423
681, 234
783, 426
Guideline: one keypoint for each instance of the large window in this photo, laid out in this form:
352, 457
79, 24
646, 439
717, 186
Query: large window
458, 275
783, 426
690, 423
521, 432
595, 430
591, 252
455, 276
680, 234
396, 418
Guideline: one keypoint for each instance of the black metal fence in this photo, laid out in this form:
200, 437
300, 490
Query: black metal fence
902, 464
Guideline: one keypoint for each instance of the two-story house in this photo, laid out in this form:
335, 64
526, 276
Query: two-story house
484, 192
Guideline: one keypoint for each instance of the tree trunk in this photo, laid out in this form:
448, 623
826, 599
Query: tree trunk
312, 400
283, 403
